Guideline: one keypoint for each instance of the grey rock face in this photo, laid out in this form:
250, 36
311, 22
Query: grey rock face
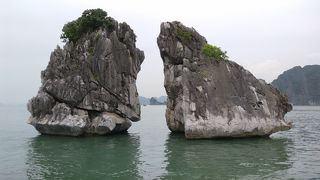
210, 99
89, 87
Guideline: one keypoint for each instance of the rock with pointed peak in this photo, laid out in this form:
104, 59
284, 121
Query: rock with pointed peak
211, 98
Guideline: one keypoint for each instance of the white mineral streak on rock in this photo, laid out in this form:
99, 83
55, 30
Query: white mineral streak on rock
255, 93
265, 107
228, 68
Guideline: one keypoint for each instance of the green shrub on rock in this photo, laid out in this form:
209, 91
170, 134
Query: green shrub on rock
90, 20
214, 52
183, 35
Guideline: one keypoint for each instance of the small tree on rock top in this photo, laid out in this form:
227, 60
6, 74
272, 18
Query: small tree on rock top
91, 20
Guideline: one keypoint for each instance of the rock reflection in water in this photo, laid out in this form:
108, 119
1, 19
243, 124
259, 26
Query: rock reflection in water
225, 158
83, 158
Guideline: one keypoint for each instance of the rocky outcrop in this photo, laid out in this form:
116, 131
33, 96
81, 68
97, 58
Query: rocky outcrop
208, 98
301, 84
89, 87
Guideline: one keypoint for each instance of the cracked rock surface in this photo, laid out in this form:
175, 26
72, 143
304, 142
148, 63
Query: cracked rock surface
211, 99
89, 87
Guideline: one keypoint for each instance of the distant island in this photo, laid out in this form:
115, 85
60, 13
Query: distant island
301, 84
162, 100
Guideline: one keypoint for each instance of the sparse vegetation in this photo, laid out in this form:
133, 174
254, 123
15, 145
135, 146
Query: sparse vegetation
90, 50
183, 35
90, 20
214, 52
204, 73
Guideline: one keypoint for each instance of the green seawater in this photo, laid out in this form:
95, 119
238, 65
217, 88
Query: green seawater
150, 151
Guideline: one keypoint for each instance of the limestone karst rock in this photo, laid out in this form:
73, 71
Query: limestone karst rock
89, 86
208, 98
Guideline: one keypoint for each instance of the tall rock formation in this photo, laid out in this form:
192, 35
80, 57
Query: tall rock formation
89, 87
302, 85
210, 98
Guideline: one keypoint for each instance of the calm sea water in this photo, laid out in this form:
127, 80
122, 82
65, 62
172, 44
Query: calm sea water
150, 151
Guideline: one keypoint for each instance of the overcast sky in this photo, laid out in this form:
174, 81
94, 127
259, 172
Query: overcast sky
267, 37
